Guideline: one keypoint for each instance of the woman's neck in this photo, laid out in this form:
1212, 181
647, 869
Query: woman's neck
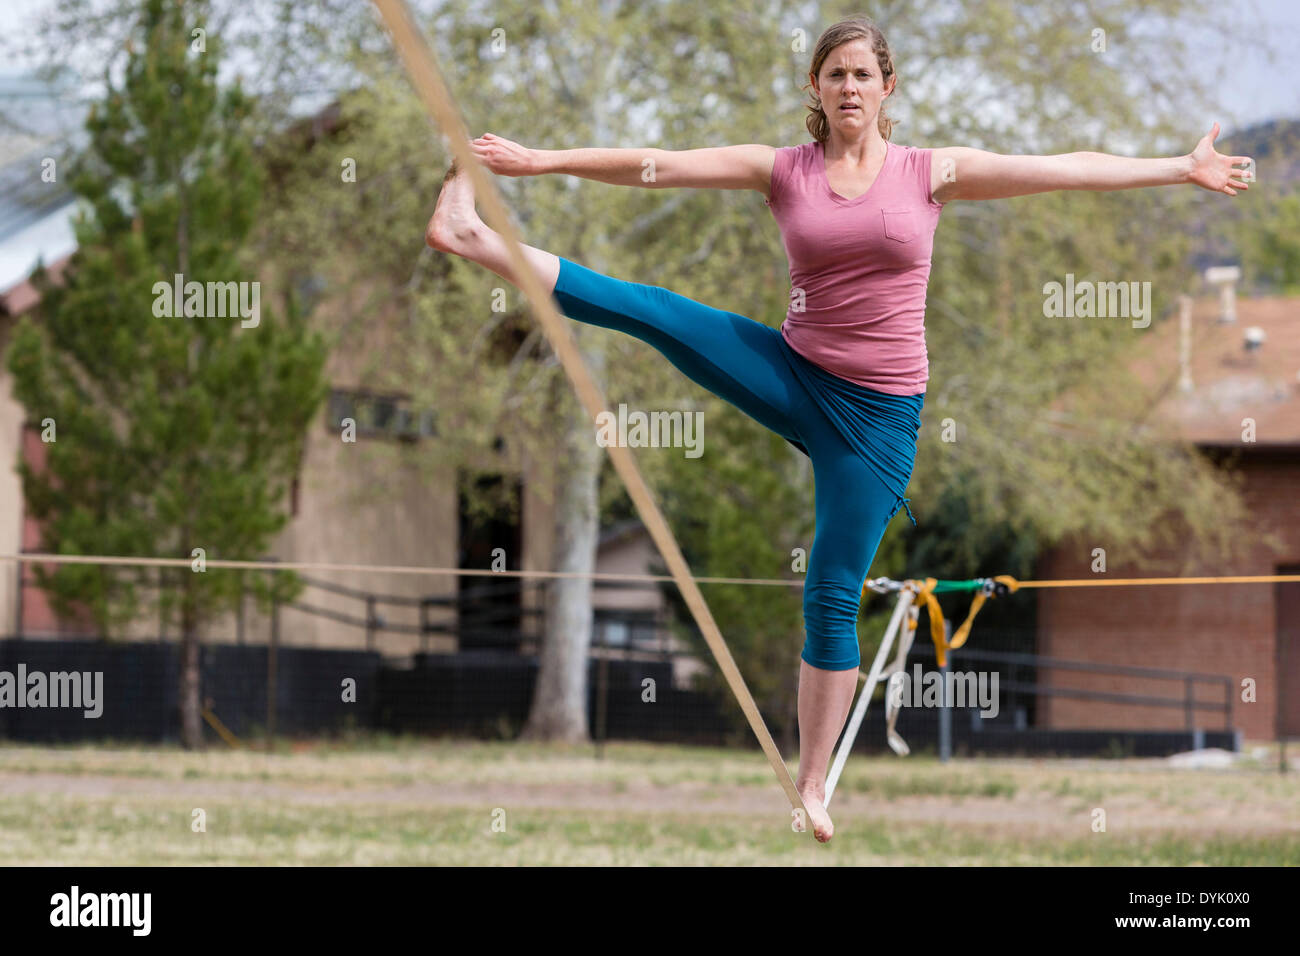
870, 145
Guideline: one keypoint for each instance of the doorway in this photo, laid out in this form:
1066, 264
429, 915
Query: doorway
1287, 603
489, 609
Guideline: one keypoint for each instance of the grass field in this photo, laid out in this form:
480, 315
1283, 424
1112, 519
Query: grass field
412, 801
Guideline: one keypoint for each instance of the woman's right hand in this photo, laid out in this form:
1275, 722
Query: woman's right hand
504, 157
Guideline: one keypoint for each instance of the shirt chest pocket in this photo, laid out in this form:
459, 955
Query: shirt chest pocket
900, 224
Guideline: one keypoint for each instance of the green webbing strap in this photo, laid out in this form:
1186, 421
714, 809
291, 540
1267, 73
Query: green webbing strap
955, 587
926, 592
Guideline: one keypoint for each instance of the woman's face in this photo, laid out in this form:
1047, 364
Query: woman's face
851, 88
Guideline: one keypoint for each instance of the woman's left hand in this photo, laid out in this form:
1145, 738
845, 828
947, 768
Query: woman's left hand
505, 157
1218, 173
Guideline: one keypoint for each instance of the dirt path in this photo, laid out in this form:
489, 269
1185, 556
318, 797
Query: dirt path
1027, 813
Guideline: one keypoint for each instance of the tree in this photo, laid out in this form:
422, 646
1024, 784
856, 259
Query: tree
1269, 242
179, 402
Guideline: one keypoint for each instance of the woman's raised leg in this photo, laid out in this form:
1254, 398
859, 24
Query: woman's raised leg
733, 356
457, 229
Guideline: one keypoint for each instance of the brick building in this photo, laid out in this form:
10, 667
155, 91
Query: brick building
1234, 371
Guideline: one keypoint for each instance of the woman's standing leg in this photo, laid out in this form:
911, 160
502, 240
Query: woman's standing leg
853, 509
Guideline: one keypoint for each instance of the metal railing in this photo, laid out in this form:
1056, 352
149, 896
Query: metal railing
465, 613
1188, 701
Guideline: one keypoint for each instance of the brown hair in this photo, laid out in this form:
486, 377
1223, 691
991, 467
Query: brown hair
847, 30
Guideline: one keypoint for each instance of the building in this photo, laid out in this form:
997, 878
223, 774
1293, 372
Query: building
1232, 368
383, 500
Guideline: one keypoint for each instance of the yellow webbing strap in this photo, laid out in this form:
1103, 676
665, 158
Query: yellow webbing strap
925, 592
959, 636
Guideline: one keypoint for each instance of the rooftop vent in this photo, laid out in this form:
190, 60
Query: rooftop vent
1225, 277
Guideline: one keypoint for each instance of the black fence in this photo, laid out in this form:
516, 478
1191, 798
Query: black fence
480, 694
137, 695
319, 692
489, 695
485, 689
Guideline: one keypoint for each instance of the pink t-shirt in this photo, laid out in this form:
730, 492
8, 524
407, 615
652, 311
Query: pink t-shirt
858, 267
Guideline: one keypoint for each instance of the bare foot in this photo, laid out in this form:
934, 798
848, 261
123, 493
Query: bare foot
455, 225
823, 828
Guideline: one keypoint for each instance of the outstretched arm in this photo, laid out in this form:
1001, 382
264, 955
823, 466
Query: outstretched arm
961, 173
718, 167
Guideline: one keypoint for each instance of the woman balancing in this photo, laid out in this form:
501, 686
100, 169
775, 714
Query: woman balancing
844, 378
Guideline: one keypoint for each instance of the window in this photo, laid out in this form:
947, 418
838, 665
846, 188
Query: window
628, 629
379, 416
309, 289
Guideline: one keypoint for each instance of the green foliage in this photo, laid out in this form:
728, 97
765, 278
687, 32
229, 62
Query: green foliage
173, 432
1269, 244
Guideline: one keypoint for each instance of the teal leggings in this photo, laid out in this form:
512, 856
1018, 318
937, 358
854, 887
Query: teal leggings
750, 365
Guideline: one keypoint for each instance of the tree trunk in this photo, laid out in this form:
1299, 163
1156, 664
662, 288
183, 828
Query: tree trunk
191, 711
559, 708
